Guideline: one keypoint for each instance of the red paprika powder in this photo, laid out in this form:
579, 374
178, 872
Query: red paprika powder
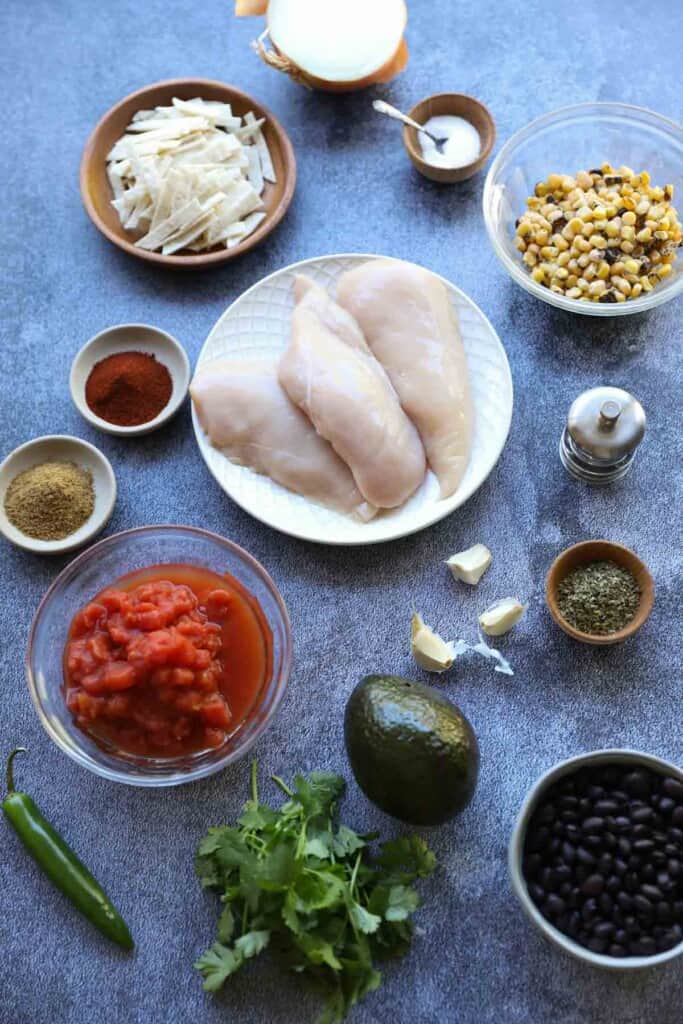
128, 388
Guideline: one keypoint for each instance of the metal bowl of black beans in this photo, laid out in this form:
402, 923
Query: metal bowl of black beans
596, 858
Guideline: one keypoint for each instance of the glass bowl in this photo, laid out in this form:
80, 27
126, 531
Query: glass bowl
99, 567
566, 141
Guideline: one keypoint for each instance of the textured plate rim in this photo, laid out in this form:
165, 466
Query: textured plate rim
441, 508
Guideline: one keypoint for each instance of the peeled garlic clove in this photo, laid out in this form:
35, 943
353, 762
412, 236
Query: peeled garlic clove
501, 616
469, 566
430, 651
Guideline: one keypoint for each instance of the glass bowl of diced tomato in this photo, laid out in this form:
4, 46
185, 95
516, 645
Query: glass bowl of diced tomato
159, 655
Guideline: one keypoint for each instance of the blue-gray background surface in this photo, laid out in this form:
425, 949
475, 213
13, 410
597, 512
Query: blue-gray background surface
62, 64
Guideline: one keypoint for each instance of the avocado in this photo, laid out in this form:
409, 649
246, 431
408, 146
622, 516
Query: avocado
412, 752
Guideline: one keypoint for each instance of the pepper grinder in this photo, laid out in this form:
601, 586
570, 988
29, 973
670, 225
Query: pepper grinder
604, 427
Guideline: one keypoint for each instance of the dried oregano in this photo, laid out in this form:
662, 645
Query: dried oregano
599, 597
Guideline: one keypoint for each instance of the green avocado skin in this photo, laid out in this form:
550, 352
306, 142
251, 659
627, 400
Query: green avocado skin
412, 752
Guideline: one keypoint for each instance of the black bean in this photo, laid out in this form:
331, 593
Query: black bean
632, 926
622, 824
595, 792
619, 794
673, 866
569, 801
631, 882
555, 845
673, 788
603, 930
664, 882
563, 873
595, 842
666, 805
613, 883
538, 839
619, 866
565, 889
625, 901
637, 783
616, 949
593, 824
572, 832
643, 845
605, 904
621, 936
676, 834
546, 814
671, 850
642, 904
553, 906
605, 863
645, 946
624, 846
589, 911
548, 879
537, 893
584, 856
663, 913
574, 923
568, 853
593, 885
642, 815
557, 828
609, 840
648, 873
569, 817
677, 817
606, 807
652, 892
640, 832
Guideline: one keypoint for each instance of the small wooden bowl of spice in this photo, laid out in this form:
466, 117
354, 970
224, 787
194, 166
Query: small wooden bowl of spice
56, 493
130, 379
599, 592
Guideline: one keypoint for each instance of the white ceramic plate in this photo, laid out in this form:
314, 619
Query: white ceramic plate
258, 323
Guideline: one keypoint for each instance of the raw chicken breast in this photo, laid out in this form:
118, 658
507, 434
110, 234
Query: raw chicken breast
330, 373
245, 412
407, 318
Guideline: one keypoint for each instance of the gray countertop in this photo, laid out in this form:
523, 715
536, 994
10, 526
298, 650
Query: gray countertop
478, 961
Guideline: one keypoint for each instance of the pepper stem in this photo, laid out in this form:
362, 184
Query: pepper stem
9, 773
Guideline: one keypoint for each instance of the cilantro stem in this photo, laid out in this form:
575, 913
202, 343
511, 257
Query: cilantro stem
254, 781
283, 785
354, 873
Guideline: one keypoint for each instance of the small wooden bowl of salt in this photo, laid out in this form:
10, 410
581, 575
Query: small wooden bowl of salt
465, 123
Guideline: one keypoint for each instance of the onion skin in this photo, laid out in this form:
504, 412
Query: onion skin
245, 8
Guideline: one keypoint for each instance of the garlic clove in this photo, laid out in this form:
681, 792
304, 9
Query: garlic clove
430, 651
470, 565
501, 616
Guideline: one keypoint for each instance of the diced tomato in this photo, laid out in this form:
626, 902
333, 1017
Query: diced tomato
144, 668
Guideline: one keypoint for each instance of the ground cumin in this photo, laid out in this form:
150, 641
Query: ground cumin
128, 388
50, 501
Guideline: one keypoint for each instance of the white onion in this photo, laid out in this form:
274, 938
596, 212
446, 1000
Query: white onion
337, 45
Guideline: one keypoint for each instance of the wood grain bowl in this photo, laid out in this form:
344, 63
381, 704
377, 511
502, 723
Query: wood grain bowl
456, 104
96, 190
600, 551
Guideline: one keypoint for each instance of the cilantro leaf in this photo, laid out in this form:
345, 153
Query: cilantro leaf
409, 856
226, 924
216, 965
252, 943
346, 842
401, 904
363, 919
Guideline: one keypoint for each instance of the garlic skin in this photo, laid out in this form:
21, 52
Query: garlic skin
501, 616
470, 565
429, 650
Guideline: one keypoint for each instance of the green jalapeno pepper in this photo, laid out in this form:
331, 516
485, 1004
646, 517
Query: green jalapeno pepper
60, 863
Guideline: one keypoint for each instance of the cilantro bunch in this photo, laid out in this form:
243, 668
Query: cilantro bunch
294, 879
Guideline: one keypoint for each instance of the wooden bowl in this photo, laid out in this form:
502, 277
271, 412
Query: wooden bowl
96, 190
459, 105
600, 551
